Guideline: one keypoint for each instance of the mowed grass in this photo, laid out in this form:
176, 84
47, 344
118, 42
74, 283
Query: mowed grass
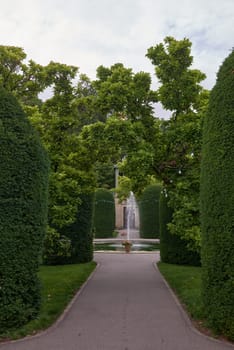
186, 283
59, 285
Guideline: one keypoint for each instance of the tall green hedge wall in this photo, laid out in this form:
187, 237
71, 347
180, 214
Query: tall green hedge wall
149, 212
23, 214
173, 250
104, 213
217, 202
81, 231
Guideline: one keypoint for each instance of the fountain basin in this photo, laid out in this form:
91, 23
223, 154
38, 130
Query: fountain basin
110, 246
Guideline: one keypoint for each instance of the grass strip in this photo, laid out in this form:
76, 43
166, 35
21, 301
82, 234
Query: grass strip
185, 281
59, 285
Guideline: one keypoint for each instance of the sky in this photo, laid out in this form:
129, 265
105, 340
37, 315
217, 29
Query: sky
90, 33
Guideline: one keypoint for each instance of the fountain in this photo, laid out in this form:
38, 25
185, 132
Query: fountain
131, 213
131, 233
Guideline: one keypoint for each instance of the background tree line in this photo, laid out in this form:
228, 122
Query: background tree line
88, 126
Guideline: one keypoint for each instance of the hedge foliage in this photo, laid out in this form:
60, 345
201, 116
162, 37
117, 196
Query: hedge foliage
173, 249
57, 248
23, 214
81, 231
217, 202
149, 212
104, 213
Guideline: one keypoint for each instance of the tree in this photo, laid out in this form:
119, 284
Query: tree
217, 198
121, 142
59, 127
180, 89
180, 172
145, 146
121, 92
72, 172
23, 213
179, 167
124, 102
173, 249
105, 174
24, 81
84, 103
143, 156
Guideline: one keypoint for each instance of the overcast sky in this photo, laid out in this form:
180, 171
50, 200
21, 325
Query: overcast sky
89, 33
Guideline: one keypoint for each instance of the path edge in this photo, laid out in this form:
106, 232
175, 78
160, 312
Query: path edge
186, 316
59, 319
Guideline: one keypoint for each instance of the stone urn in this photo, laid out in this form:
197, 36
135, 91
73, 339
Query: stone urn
127, 246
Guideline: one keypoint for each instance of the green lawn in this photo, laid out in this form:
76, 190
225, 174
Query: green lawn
186, 283
59, 285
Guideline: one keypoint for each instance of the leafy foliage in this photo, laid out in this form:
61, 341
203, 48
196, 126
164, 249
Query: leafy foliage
23, 213
105, 174
180, 87
217, 198
71, 169
57, 248
90, 126
124, 188
123, 93
179, 165
181, 176
104, 213
173, 249
24, 81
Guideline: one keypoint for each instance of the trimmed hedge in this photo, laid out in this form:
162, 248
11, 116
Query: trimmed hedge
173, 250
23, 214
104, 214
149, 212
217, 203
80, 232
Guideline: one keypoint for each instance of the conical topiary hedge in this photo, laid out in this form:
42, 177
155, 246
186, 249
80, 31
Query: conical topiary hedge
149, 212
104, 213
23, 212
217, 203
81, 231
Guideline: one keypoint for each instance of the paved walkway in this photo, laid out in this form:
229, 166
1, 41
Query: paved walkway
125, 306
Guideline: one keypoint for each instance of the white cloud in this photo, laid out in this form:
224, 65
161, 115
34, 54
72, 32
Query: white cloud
90, 33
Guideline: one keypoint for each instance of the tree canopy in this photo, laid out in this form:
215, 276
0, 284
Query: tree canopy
180, 89
90, 126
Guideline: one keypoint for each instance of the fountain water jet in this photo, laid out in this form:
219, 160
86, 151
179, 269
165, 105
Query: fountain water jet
131, 214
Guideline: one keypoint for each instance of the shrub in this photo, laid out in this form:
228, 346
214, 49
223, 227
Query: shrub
81, 231
57, 248
149, 212
173, 249
104, 214
23, 212
217, 198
